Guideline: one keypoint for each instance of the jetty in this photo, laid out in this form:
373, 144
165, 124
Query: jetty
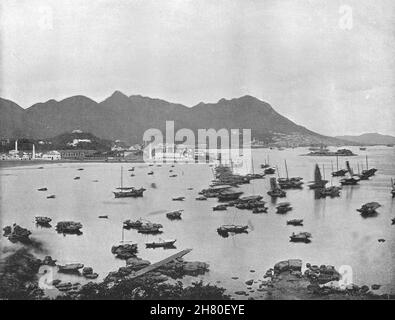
158, 264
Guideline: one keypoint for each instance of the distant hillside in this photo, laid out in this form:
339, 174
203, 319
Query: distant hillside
370, 139
11, 119
127, 118
76, 140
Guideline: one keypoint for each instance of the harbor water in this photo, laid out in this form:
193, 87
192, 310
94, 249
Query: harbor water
340, 235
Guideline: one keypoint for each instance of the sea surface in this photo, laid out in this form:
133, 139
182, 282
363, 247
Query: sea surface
340, 236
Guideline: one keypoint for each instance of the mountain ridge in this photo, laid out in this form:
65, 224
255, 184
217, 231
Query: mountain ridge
127, 117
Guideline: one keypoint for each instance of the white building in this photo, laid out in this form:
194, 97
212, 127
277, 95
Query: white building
51, 155
77, 141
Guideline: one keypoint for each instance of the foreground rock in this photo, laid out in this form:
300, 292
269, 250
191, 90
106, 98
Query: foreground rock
287, 282
18, 275
15, 234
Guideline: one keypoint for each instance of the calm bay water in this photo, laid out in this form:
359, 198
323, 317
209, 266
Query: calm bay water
340, 235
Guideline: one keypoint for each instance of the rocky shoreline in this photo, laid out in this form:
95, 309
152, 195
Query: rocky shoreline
19, 279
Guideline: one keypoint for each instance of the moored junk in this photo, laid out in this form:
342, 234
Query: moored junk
393, 220
248, 199
369, 209
129, 224
201, 198
220, 207
174, 215
42, 189
229, 195
295, 222
178, 199
368, 172
318, 182
69, 227
143, 226
275, 191
253, 176
214, 191
52, 196
300, 237
167, 243
270, 170
224, 230
283, 207
332, 191
224, 175
150, 228
124, 250
290, 183
350, 181
260, 210
393, 188
251, 205
43, 221
338, 173
70, 268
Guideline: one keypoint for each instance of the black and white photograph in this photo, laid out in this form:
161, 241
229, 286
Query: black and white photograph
178, 150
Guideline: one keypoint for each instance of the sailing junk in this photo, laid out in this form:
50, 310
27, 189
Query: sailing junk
318, 182
275, 191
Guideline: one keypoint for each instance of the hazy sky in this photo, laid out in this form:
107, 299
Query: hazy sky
327, 65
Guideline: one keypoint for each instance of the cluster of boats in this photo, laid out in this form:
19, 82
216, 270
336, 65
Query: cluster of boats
143, 226
253, 203
69, 227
